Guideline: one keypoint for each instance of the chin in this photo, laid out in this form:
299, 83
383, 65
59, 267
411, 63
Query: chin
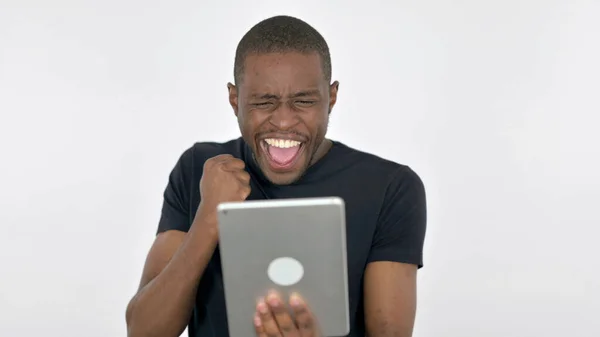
278, 176
283, 179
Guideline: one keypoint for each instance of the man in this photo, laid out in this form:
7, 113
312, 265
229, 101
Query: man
282, 97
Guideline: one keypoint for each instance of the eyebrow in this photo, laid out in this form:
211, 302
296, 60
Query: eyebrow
303, 93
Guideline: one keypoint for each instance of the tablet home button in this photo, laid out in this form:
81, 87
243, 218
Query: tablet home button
285, 271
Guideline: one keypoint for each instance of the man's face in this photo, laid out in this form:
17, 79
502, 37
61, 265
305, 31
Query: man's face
282, 105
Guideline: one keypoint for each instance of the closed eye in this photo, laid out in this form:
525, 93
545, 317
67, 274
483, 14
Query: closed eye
262, 104
305, 103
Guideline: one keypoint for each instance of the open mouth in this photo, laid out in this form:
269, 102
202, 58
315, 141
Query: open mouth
282, 154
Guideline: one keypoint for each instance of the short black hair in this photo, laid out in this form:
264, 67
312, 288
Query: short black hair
281, 34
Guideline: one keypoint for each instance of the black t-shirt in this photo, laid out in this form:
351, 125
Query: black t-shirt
385, 216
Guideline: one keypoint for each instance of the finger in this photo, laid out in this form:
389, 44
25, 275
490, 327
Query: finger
287, 326
268, 321
222, 157
245, 192
304, 318
218, 159
258, 326
243, 176
233, 164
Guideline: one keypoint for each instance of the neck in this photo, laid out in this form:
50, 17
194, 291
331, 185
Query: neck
322, 150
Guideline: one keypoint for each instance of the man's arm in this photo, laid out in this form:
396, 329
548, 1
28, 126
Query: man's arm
390, 282
390, 290
181, 252
172, 271
176, 261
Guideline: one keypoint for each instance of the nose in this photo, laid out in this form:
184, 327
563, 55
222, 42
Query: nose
283, 118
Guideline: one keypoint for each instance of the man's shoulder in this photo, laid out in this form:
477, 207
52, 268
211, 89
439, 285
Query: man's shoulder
375, 174
191, 160
210, 149
368, 164
202, 151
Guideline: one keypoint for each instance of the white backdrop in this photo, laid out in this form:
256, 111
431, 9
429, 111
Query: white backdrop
494, 103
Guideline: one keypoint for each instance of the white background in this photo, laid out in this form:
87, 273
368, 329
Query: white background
494, 103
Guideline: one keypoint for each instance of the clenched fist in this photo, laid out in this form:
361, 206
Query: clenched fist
223, 180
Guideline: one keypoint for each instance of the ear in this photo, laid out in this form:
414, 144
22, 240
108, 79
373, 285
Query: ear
233, 97
333, 91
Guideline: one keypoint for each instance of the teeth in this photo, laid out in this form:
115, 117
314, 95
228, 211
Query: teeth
282, 143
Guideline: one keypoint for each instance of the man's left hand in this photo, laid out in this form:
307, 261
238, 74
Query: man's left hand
272, 318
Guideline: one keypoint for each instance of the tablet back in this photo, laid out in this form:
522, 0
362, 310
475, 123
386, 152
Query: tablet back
289, 245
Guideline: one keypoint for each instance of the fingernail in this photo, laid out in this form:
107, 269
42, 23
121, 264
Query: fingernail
273, 299
257, 320
295, 300
262, 306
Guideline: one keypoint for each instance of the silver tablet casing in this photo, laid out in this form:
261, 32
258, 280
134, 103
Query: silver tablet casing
312, 231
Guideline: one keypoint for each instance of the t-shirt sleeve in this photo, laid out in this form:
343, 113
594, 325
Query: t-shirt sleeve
400, 232
175, 213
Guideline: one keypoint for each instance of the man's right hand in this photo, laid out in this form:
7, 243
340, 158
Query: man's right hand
223, 180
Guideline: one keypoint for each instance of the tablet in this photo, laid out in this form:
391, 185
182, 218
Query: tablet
288, 245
